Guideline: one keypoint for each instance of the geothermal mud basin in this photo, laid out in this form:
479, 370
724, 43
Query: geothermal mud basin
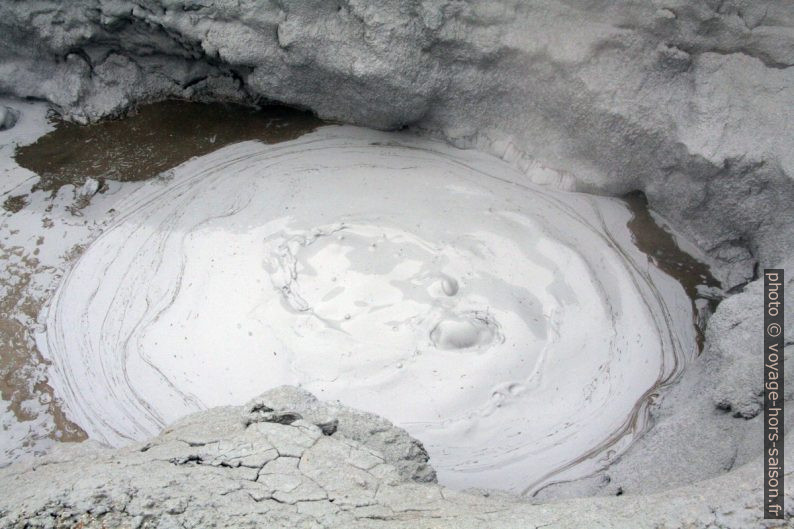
520, 333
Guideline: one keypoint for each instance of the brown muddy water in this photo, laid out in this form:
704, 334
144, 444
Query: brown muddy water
153, 139
156, 138
662, 249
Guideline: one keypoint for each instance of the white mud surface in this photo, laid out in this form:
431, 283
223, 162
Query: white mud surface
517, 332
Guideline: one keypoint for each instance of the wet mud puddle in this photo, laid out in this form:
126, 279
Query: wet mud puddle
519, 333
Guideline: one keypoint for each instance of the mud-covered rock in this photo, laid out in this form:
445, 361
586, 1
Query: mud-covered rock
286, 404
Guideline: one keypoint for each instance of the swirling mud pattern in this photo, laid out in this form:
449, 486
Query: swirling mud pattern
517, 332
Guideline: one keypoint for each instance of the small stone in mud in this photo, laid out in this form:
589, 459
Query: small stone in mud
89, 188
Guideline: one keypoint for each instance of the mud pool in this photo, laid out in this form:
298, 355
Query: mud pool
520, 333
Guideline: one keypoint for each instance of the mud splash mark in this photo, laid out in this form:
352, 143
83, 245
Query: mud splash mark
22, 367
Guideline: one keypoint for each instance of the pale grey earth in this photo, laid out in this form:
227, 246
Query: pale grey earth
690, 102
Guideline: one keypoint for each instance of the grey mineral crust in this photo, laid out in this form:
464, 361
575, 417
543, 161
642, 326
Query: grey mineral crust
213, 469
690, 102
286, 404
